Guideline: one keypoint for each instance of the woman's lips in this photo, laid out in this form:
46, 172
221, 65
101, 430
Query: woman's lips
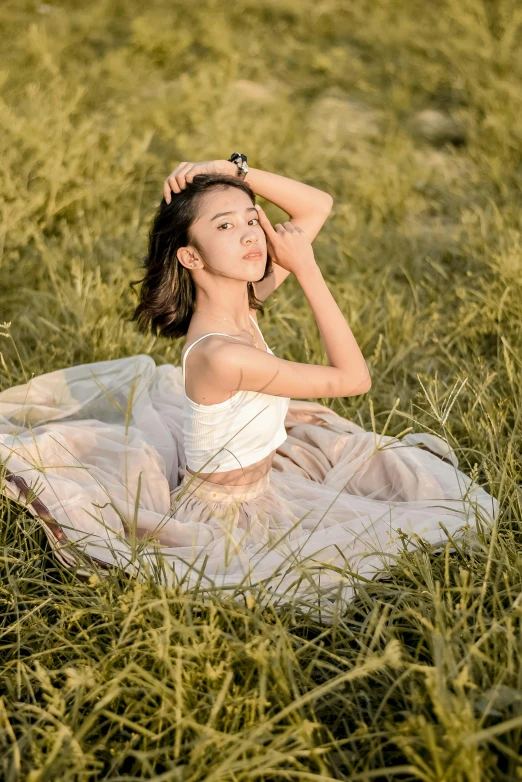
254, 256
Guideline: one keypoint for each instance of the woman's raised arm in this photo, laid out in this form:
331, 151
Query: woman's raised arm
307, 206
242, 367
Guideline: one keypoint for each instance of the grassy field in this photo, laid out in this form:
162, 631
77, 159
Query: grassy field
410, 115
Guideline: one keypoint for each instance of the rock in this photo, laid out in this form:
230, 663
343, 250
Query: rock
437, 127
253, 90
443, 167
335, 114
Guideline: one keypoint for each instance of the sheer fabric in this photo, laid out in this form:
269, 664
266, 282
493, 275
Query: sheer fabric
101, 445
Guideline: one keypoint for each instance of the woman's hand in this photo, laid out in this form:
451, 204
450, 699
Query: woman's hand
287, 245
185, 172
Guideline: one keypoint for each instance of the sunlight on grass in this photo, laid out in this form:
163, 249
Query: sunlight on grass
409, 115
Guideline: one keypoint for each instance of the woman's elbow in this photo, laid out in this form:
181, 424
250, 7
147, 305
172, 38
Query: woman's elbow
365, 384
360, 388
328, 202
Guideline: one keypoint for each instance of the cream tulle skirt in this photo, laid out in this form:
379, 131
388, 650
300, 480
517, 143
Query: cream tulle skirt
96, 453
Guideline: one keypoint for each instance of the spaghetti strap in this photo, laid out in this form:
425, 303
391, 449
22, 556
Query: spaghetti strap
222, 334
210, 333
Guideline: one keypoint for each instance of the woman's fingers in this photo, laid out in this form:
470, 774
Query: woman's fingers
190, 173
277, 228
185, 172
166, 191
176, 180
266, 225
171, 184
179, 176
286, 243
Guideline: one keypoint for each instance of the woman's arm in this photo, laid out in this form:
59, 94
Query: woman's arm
229, 368
306, 206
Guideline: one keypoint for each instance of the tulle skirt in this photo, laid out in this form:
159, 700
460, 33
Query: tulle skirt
95, 452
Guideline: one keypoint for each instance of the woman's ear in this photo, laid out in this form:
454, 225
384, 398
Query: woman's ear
187, 258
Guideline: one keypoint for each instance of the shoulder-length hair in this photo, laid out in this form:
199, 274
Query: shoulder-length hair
167, 295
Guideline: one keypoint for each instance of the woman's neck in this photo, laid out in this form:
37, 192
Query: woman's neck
233, 316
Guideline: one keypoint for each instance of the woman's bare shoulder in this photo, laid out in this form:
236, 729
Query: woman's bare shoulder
208, 345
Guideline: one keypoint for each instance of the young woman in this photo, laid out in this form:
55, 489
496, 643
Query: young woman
221, 460
232, 260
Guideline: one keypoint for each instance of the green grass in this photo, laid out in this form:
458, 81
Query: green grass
421, 678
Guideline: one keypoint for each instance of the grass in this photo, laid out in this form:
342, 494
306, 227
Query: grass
421, 678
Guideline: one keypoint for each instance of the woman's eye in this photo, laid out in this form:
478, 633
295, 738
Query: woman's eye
252, 218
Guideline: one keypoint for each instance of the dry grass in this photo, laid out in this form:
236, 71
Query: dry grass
421, 678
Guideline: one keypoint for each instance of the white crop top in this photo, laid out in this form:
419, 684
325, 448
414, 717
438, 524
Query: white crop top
237, 432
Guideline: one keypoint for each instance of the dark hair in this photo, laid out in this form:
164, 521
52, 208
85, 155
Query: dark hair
168, 294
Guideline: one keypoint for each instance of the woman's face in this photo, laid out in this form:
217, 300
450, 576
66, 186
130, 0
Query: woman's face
223, 240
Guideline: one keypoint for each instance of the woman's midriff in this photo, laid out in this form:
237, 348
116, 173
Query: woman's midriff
239, 477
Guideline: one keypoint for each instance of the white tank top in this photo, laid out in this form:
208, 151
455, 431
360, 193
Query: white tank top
234, 433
